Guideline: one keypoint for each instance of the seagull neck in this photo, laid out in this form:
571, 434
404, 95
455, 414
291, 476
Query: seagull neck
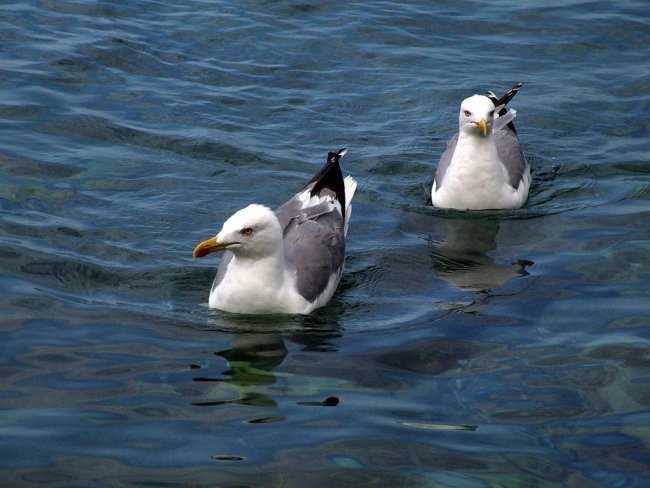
476, 140
269, 268
480, 150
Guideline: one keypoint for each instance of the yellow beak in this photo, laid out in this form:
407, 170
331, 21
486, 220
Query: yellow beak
206, 247
483, 125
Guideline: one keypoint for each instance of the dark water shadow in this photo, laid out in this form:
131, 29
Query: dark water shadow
101, 130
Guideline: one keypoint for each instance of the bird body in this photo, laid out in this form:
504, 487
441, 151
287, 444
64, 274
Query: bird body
483, 166
287, 261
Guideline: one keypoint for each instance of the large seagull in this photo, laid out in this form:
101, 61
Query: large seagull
483, 166
287, 261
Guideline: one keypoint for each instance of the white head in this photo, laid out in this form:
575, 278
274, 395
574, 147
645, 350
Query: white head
252, 232
476, 116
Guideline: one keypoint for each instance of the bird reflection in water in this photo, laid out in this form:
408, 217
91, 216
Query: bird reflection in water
251, 361
253, 357
462, 258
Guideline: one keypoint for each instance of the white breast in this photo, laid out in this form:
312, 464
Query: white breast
476, 179
257, 287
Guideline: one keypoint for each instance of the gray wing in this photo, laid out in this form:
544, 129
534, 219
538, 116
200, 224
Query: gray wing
510, 155
288, 211
223, 267
314, 244
445, 160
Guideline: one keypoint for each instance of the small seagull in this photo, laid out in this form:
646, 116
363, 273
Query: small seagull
483, 166
290, 260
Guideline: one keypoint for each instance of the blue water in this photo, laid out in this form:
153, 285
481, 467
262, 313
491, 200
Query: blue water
485, 349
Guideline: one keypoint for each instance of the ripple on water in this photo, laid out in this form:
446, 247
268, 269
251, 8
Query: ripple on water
493, 349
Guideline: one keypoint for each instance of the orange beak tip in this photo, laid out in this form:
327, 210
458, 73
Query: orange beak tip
206, 247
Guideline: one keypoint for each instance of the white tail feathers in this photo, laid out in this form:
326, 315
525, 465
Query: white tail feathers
350, 186
505, 119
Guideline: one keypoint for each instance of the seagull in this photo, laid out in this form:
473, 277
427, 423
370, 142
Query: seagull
483, 166
287, 261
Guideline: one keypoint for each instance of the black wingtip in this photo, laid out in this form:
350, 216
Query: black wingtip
331, 156
331, 177
504, 100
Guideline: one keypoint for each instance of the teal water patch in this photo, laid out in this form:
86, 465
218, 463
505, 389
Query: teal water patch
488, 348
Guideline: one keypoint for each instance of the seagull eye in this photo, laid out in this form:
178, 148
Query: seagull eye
491, 114
467, 113
246, 231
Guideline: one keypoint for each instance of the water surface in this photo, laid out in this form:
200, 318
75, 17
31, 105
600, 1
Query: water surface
483, 349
